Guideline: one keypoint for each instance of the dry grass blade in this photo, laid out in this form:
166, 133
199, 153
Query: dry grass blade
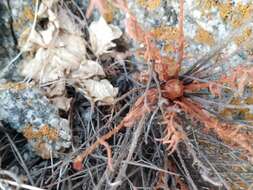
140, 108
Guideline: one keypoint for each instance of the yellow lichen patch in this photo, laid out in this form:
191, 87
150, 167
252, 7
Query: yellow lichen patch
14, 86
26, 16
206, 5
28, 13
149, 4
228, 112
109, 13
237, 14
169, 48
225, 9
244, 37
243, 113
233, 14
241, 13
204, 37
108, 17
166, 33
248, 114
44, 131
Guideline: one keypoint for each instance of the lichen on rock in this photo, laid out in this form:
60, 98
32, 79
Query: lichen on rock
30, 113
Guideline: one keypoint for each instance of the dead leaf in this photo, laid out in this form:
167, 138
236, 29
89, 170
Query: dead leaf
88, 70
60, 57
100, 90
54, 90
55, 62
67, 23
102, 35
61, 102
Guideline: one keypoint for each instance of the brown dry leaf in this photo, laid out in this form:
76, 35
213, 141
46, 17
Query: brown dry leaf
60, 56
102, 35
61, 102
58, 50
54, 90
67, 23
100, 90
53, 63
45, 5
88, 70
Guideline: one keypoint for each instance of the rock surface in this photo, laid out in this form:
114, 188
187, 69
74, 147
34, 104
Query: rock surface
29, 112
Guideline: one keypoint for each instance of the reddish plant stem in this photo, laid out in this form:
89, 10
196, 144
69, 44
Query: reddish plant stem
77, 164
226, 132
181, 36
139, 109
109, 154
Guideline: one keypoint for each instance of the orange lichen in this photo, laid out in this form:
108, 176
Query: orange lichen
109, 13
241, 13
14, 86
204, 37
249, 100
248, 116
233, 14
228, 112
225, 9
149, 4
206, 4
244, 37
44, 131
237, 14
27, 15
169, 48
244, 113
167, 33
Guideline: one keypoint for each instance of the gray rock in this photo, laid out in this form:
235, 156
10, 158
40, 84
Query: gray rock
29, 112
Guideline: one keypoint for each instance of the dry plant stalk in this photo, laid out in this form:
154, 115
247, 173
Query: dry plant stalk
162, 180
109, 153
140, 108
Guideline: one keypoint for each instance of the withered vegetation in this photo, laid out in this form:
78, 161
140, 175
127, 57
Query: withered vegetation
170, 127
